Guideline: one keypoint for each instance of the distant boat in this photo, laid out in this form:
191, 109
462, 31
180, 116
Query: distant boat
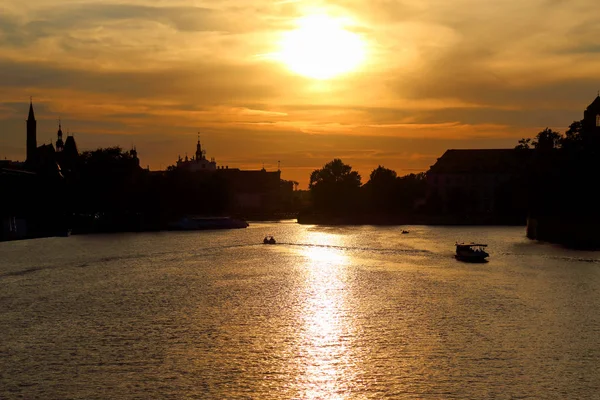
206, 223
269, 239
404, 232
471, 252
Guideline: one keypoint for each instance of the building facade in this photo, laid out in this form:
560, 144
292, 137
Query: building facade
199, 163
488, 181
251, 190
476, 181
591, 117
47, 158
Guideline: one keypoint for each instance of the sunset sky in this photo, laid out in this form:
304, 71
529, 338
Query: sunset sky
369, 81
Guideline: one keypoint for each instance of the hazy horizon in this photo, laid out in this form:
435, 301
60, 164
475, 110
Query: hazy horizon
377, 82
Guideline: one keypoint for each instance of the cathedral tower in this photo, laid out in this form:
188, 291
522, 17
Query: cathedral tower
591, 116
199, 154
60, 145
31, 135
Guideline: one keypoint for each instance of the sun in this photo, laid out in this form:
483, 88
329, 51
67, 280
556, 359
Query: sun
321, 48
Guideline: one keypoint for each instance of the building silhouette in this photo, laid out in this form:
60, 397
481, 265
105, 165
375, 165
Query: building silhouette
484, 181
49, 159
60, 145
591, 116
477, 181
251, 190
31, 136
197, 163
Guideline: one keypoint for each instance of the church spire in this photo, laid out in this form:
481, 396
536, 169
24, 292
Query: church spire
31, 116
60, 145
31, 135
199, 155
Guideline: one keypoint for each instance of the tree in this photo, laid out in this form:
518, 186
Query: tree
411, 188
524, 144
334, 172
382, 176
382, 189
577, 138
547, 140
574, 132
335, 187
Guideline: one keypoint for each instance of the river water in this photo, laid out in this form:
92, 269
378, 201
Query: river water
327, 313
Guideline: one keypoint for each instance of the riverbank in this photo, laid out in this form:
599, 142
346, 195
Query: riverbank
133, 223
572, 232
409, 219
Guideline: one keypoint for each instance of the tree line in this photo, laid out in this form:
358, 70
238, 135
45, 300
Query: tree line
563, 171
557, 178
576, 139
336, 190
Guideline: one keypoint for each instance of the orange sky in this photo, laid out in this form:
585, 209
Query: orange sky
434, 74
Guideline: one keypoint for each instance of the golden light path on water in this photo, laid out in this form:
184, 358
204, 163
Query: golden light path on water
327, 329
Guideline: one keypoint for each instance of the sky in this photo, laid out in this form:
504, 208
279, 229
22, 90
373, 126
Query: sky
426, 76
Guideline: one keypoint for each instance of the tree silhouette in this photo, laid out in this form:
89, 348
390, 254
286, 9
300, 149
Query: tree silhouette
335, 187
382, 189
577, 138
524, 144
574, 133
335, 172
547, 140
411, 188
382, 176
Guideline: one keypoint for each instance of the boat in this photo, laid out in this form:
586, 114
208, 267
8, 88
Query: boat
471, 252
404, 232
269, 239
204, 223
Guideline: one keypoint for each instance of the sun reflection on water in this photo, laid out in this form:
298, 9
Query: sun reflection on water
327, 329
323, 256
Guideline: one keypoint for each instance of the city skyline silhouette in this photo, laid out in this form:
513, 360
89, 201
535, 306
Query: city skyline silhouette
262, 88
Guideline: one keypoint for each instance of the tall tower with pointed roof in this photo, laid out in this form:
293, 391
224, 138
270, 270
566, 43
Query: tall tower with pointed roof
31, 134
591, 116
60, 145
199, 155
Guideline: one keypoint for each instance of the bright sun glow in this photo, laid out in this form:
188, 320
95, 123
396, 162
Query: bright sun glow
321, 48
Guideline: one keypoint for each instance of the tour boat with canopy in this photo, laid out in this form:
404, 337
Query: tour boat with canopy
471, 252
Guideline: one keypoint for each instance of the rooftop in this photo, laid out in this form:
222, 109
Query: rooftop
594, 104
480, 161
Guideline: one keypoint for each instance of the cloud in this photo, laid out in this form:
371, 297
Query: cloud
205, 83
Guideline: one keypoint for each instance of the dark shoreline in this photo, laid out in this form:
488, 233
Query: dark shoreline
574, 232
432, 220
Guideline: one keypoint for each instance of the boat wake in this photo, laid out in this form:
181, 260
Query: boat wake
356, 248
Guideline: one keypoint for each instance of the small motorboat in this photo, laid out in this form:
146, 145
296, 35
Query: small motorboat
404, 232
269, 240
471, 252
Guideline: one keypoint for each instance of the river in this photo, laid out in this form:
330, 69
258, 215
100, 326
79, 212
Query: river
327, 313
